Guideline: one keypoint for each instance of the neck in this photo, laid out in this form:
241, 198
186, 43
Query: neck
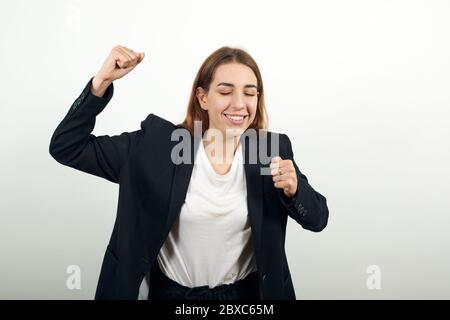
222, 149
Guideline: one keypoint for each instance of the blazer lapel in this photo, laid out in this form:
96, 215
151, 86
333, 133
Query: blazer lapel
254, 182
180, 183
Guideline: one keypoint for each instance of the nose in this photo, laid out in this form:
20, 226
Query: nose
238, 102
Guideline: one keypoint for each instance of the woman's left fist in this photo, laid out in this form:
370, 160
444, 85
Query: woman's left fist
284, 175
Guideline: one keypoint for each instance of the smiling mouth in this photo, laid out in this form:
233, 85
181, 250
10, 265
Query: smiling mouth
235, 118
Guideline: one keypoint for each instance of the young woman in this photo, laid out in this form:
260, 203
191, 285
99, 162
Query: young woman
203, 205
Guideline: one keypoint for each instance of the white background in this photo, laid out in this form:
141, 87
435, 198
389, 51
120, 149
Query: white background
360, 87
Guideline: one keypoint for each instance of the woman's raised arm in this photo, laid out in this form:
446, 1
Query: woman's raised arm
72, 143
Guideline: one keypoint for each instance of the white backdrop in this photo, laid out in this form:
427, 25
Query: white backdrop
360, 87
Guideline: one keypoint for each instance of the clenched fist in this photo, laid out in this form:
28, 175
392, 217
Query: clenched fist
119, 62
284, 175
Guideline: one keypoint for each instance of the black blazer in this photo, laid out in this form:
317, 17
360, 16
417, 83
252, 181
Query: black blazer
152, 190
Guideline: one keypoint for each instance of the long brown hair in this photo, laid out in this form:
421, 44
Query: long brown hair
204, 78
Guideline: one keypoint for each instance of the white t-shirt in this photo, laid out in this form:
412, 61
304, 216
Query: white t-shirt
210, 243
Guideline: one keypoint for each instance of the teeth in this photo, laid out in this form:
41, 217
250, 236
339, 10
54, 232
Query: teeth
236, 118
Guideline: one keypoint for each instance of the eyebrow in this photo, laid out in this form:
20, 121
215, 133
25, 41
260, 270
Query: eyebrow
232, 85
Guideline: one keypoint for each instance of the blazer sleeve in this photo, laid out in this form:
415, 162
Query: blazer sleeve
72, 143
308, 207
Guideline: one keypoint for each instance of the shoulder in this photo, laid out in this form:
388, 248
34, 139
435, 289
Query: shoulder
155, 122
279, 141
278, 135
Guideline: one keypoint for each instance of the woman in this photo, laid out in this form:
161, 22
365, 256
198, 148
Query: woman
215, 230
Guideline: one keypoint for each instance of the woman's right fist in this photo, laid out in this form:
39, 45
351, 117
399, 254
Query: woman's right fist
120, 61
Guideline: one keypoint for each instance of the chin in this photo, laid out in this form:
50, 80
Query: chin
235, 131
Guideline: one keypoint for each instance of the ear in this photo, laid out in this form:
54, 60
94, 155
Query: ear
201, 97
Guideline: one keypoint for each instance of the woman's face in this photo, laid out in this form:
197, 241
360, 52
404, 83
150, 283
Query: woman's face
232, 99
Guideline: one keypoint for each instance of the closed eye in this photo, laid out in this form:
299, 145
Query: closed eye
227, 93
